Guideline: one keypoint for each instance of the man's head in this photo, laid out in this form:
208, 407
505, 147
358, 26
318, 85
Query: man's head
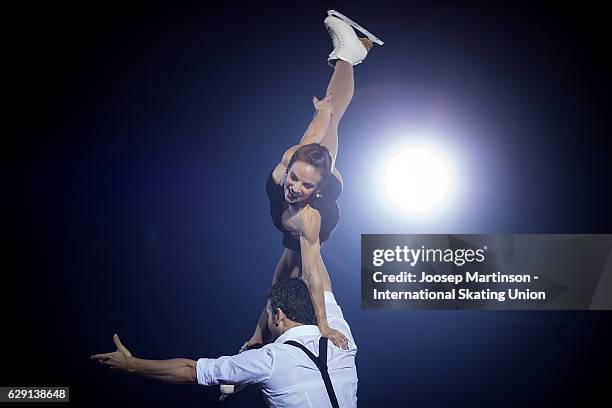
289, 305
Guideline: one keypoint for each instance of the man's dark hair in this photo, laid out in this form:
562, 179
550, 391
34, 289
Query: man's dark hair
292, 297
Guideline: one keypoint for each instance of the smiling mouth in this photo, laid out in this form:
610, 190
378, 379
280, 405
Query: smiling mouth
292, 195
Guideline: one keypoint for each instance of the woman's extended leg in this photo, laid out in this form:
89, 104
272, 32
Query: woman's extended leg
340, 92
288, 266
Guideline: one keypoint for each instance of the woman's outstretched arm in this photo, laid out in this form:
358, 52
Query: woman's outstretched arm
315, 277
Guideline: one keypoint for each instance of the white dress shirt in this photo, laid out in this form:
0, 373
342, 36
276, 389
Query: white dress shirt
285, 374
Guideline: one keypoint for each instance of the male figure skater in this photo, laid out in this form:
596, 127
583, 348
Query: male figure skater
299, 369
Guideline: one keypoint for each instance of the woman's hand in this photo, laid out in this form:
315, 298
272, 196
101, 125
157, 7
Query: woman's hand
322, 105
336, 337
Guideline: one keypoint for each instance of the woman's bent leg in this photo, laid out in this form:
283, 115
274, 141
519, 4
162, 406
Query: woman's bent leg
288, 266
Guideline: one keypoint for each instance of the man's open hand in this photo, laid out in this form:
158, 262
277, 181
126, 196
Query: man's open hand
119, 360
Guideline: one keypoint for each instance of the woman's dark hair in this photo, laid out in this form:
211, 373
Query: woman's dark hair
317, 156
292, 297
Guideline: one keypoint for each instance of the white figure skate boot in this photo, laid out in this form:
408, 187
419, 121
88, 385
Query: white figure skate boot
347, 46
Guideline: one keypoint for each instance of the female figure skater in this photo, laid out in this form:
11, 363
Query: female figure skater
304, 186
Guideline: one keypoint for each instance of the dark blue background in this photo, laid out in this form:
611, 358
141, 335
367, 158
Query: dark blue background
134, 193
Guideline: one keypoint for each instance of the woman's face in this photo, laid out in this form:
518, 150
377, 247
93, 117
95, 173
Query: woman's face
302, 181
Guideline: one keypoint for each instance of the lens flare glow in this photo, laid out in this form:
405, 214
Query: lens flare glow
417, 179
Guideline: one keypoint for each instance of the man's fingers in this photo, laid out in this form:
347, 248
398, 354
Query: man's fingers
117, 341
100, 357
120, 346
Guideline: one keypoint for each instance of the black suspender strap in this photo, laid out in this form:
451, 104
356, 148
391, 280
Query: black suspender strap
321, 363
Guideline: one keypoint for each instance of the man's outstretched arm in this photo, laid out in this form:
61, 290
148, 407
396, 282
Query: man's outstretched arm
175, 370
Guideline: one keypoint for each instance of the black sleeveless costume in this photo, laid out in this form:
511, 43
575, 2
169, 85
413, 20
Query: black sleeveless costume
326, 205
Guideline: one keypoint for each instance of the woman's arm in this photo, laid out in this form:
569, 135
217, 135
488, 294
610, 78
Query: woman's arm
314, 276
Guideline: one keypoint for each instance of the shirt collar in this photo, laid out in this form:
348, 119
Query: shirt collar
298, 331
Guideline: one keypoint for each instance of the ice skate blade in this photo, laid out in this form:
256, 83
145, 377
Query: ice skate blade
368, 34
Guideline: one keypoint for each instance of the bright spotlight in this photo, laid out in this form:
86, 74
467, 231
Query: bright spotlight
417, 179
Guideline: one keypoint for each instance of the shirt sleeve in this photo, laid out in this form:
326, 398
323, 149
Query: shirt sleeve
248, 367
